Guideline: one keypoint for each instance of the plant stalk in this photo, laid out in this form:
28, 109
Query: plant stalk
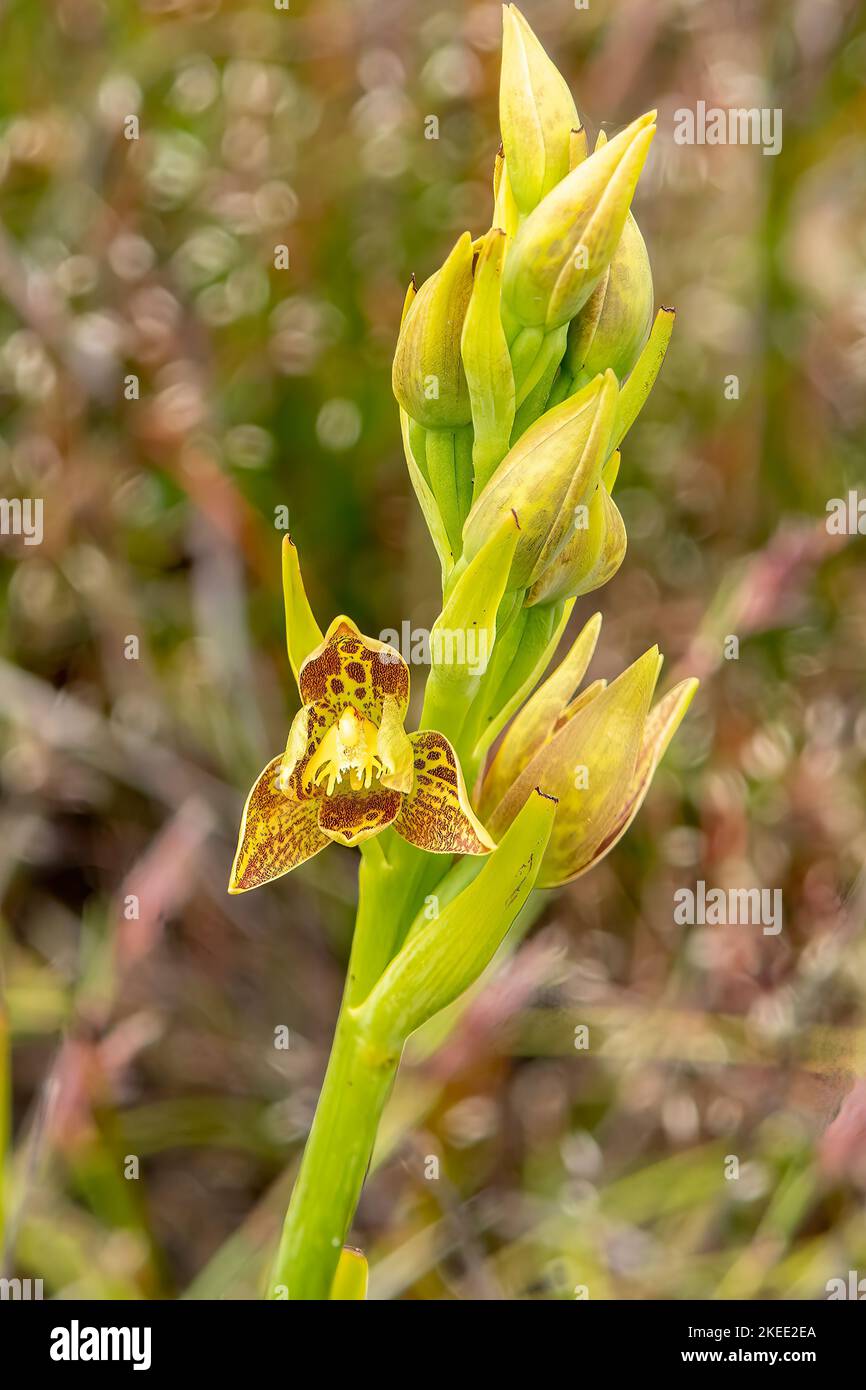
337, 1155
392, 881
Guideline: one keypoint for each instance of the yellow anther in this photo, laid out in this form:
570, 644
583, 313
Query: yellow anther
351, 725
348, 747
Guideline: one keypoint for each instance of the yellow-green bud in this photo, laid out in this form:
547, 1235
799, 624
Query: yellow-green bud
428, 377
552, 469
564, 247
614, 323
597, 755
536, 114
593, 554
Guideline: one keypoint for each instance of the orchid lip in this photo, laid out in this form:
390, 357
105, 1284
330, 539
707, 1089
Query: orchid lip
347, 748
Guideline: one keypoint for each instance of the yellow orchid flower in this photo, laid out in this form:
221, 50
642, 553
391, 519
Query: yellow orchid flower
350, 770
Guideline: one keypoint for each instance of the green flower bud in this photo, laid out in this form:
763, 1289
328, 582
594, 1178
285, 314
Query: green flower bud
614, 323
537, 720
536, 114
597, 752
593, 554
564, 247
552, 469
428, 377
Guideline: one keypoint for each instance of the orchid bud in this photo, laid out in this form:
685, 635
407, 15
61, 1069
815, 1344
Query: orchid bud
588, 762
536, 114
598, 756
553, 468
564, 247
498, 170
593, 554
538, 719
614, 323
428, 377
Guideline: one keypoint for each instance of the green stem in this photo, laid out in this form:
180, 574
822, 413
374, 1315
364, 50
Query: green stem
392, 880
334, 1166
442, 469
532, 354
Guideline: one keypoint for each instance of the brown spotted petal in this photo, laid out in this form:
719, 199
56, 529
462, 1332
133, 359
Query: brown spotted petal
436, 815
356, 816
351, 669
277, 833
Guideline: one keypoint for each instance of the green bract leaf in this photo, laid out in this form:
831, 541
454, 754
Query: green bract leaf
487, 363
303, 633
640, 382
463, 636
450, 952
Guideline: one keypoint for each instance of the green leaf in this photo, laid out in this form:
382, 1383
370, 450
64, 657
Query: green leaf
642, 378
463, 637
427, 501
303, 633
487, 362
437, 964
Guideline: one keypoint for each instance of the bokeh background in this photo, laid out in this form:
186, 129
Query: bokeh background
153, 1038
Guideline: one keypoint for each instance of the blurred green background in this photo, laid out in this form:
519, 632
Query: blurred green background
145, 1044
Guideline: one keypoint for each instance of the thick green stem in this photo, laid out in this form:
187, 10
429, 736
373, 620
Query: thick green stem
334, 1166
392, 879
